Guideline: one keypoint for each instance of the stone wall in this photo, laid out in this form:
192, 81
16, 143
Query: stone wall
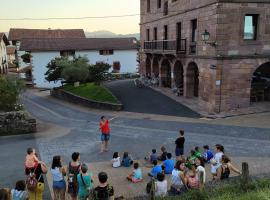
12, 123
66, 96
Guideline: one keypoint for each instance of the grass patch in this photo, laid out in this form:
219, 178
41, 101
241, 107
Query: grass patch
92, 92
259, 189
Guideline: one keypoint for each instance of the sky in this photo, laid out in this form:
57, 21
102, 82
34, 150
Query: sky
71, 8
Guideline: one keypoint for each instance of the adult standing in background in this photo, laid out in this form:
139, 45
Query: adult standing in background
179, 142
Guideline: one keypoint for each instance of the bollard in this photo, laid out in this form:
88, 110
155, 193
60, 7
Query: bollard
245, 179
153, 189
201, 175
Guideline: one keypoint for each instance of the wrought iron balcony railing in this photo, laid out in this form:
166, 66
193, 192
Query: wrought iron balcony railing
177, 46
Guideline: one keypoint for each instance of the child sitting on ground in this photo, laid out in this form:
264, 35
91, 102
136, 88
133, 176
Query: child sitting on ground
127, 161
116, 160
19, 193
208, 154
197, 152
155, 170
163, 155
161, 185
152, 157
136, 175
31, 160
168, 164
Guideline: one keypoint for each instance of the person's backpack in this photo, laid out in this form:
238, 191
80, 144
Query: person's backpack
72, 178
32, 181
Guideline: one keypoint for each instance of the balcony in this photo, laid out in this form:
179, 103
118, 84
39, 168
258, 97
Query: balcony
166, 46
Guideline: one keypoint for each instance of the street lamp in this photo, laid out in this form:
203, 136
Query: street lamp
206, 37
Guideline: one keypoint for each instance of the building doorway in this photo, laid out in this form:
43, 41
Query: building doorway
179, 77
260, 84
155, 71
166, 80
148, 67
192, 80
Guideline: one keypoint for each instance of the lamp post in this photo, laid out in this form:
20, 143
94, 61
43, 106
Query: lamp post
206, 37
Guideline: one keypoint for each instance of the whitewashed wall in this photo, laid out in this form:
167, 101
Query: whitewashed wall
39, 63
127, 59
3, 55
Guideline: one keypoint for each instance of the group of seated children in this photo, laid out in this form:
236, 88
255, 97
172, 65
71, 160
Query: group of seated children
126, 160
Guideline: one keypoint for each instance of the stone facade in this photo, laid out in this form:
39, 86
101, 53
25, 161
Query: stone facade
12, 123
221, 69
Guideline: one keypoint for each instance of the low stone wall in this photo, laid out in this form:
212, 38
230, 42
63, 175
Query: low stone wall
66, 96
12, 123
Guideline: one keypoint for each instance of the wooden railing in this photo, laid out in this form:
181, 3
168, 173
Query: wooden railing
179, 46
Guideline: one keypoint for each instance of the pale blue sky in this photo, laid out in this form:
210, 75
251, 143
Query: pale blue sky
71, 8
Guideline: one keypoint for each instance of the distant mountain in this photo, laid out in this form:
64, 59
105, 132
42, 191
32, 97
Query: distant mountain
108, 34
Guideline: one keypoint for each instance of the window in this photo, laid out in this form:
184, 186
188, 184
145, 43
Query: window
67, 53
158, 3
155, 33
178, 30
250, 27
148, 6
193, 30
165, 32
147, 34
166, 8
106, 52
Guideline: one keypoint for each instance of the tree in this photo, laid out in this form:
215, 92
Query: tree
26, 57
10, 89
98, 72
74, 74
55, 68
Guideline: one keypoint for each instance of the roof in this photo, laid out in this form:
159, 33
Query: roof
17, 34
11, 50
4, 38
78, 44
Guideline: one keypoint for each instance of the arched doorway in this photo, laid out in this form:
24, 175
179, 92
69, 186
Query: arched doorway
155, 66
166, 80
179, 77
192, 80
148, 67
260, 84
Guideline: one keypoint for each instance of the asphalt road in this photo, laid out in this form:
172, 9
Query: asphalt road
146, 100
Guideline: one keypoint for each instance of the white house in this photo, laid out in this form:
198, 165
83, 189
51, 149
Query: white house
3, 54
119, 52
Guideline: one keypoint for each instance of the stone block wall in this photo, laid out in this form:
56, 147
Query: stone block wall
230, 29
12, 123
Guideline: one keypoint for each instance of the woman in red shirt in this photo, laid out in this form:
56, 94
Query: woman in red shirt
105, 133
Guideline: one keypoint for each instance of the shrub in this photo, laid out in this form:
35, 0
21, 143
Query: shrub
10, 90
55, 68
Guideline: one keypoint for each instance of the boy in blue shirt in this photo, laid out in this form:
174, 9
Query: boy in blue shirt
208, 154
168, 164
155, 170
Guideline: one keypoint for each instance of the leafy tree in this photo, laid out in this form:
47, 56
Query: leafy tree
10, 89
98, 72
26, 57
55, 68
74, 74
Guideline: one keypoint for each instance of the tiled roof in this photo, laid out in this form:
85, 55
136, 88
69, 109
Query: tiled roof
17, 34
4, 37
78, 44
11, 50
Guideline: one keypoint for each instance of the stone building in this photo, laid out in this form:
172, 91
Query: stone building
215, 50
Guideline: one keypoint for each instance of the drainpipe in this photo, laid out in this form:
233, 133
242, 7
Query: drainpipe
220, 86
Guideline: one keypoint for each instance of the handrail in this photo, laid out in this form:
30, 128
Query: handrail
178, 45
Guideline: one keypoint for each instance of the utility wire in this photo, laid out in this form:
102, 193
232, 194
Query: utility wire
67, 18
81, 18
